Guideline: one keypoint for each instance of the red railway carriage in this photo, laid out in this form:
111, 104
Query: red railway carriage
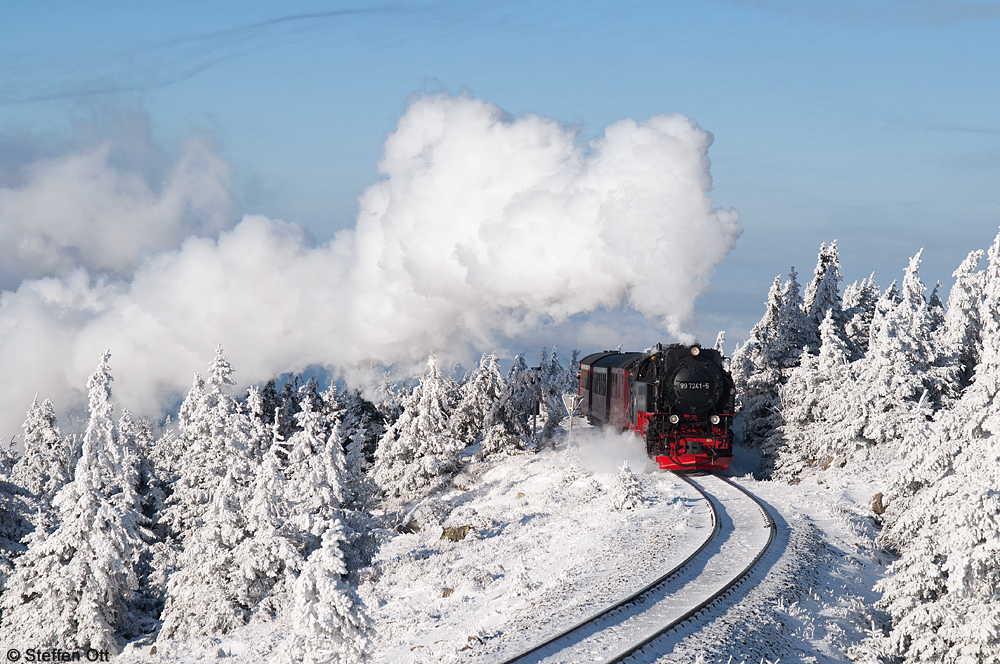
679, 399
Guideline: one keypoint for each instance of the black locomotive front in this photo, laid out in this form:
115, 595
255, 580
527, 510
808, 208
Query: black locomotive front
679, 398
686, 418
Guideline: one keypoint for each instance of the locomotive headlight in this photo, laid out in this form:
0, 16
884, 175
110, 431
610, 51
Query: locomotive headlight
714, 419
695, 350
674, 419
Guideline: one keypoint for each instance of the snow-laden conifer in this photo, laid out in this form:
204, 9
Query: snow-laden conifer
860, 299
477, 397
626, 491
943, 516
762, 365
129, 463
555, 382
8, 458
574, 365
47, 463
259, 424
418, 452
16, 508
793, 324
215, 433
73, 586
165, 455
359, 431
823, 293
206, 594
820, 414
885, 303
936, 308
506, 424
749, 355
961, 322
904, 364
267, 560
317, 469
331, 406
329, 621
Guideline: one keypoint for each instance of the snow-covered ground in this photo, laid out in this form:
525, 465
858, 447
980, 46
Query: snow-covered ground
545, 547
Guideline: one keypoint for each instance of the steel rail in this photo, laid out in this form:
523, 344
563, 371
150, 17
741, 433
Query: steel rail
769, 520
638, 597
634, 597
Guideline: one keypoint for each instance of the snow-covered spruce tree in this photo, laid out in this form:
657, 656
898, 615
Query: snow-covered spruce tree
72, 587
316, 472
329, 621
506, 425
16, 508
823, 293
418, 452
388, 398
943, 517
129, 462
763, 363
215, 433
477, 396
860, 299
756, 383
165, 457
324, 488
885, 303
161, 468
904, 368
203, 594
793, 326
8, 458
821, 419
626, 492
280, 407
555, 382
268, 558
359, 431
259, 426
936, 308
961, 321
46, 465
156, 559
332, 408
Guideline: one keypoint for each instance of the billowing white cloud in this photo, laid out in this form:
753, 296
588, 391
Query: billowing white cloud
484, 227
82, 210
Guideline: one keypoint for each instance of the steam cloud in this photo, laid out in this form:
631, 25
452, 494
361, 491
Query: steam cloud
605, 450
82, 210
483, 227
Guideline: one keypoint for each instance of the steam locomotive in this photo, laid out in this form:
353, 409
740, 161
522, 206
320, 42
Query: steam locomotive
680, 399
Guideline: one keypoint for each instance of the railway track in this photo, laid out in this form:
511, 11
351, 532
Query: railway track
742, 532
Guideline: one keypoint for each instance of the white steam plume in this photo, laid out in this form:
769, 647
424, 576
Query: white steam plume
483, 227
82, 209
605, 451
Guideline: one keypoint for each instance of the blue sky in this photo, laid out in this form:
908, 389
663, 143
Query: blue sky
872, 122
